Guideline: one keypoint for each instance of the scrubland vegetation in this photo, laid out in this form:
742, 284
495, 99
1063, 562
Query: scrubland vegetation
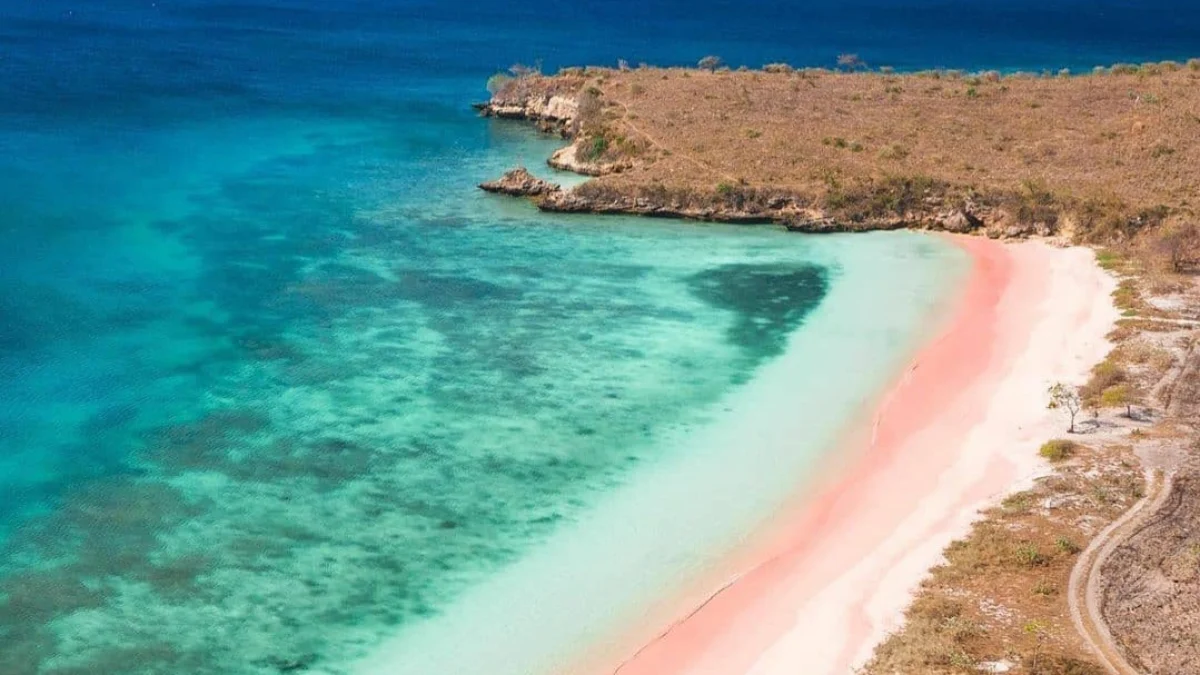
999, 597
1101, 158
1106, 158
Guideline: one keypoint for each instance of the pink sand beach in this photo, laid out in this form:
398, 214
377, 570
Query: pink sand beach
958, 430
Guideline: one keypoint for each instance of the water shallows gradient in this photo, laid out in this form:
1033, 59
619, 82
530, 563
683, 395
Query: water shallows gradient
280, 391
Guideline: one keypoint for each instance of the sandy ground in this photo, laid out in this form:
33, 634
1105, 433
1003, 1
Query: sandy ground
959, 430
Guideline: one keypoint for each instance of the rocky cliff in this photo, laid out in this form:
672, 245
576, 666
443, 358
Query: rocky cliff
552, 104
567, 106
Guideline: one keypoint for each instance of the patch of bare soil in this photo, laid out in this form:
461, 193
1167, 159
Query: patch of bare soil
1151, 587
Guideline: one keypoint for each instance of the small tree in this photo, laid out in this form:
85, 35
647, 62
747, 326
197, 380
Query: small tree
1066, 398
1177, 245
850, 62
1119, 395
522, 70
710, 63
1039, 631
497, 82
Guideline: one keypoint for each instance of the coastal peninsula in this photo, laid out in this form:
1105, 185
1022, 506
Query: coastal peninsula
1097, 156
1062, 572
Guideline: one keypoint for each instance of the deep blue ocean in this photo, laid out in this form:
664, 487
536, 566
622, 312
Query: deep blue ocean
275, 378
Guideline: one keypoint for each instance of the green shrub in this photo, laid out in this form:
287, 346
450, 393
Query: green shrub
1029, 555
889, 197
596, 148
1119, 395
1108, 259
1057, 450
1106, 374
1126, 295
1065, 545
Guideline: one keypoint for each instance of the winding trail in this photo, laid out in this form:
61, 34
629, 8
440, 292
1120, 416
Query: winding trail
658, 144
1083, 593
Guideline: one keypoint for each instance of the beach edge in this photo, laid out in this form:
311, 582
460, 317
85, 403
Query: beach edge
1031, 314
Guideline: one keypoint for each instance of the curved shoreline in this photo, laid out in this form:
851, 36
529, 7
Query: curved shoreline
597, 588
957, 430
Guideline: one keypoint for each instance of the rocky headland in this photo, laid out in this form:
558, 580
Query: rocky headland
820, 151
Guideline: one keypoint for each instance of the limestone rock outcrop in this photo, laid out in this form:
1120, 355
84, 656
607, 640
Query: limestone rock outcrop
520, 183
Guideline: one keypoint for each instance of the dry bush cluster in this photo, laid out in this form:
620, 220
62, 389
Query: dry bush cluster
742, 198
1000, 595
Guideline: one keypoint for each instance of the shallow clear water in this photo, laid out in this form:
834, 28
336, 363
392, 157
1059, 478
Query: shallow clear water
278, 385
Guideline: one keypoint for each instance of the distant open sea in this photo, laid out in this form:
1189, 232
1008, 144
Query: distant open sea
278, 385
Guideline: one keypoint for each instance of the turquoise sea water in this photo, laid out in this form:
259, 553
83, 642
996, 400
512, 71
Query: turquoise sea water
281, 391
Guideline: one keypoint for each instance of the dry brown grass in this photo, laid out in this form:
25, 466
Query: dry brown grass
1001, 595
1107, 155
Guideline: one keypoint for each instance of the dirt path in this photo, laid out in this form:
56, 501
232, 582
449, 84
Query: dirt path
1084, 588
658, 144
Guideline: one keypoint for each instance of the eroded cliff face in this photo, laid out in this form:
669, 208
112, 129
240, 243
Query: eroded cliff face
554, 105
792, 211
558, 111
551, 103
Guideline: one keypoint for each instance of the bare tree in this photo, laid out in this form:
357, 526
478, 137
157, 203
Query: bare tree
1066, 398
522, 70
1177, 245
710, 63
850, 62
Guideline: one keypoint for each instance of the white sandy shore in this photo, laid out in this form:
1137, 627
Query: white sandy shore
597, 589
840, 579
997, 456
829, 577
